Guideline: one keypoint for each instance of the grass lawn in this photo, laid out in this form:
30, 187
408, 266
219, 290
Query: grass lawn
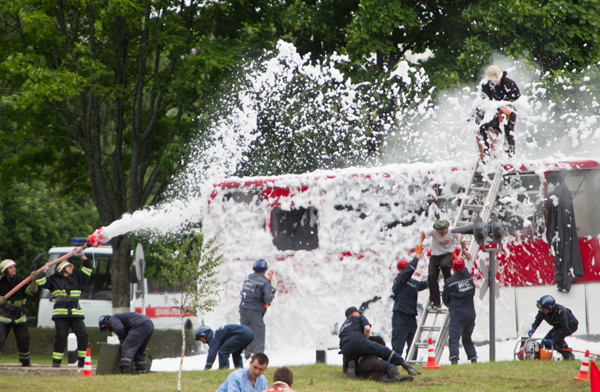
484, 377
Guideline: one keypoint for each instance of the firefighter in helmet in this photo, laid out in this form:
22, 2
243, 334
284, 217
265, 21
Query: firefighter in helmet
562, 321
406, 293
65, 285
257, 294
12, 310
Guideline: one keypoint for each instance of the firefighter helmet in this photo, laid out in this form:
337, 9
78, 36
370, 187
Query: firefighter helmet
458, 265
402, 264
5, 264
494, 73
203, 332
62, 266
546, 302
103, 322
260, 265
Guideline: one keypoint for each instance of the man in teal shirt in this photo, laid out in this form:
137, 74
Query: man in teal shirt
248, 380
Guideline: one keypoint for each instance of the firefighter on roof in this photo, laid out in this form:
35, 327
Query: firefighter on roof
65, 286
12, 311
561, 319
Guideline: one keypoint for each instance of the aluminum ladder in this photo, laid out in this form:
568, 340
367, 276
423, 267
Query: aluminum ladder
479, 198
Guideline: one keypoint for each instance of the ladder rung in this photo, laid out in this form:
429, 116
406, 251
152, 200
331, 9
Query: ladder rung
480, 189
430, 328
474, 206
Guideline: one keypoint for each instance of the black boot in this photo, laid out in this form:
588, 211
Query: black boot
351, 373
124, 369
55, 363
25, 362
80, 362
412, 371
397, 379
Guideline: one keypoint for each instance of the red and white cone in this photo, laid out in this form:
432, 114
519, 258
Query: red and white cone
431, 362
584, 369
87, 366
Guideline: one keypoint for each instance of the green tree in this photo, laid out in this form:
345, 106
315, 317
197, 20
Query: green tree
190, 262
117, 82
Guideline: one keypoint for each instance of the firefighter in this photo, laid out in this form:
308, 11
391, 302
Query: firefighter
65, 285
354, 343
406, 293
229, 340
498, 87
563, 324
257, 294
12, 310
134, 331
458, 294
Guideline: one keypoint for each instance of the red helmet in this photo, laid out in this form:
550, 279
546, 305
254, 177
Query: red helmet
402, 264
458, 265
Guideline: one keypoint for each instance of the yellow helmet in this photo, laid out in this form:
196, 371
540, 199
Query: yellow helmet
5, 264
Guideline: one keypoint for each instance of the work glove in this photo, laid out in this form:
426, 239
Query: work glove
2, 300
530, 332
548, 342
33, 287
419, 250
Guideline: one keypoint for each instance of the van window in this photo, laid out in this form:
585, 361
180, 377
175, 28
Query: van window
295, 229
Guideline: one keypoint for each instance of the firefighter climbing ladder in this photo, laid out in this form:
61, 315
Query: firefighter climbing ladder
479, 199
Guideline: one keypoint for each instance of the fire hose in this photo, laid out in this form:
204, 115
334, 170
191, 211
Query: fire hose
96, 239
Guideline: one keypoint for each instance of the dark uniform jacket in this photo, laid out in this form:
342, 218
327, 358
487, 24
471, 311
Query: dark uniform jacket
256, 292
506, 90
13, 311
122, 323
67, 291
560, 318
353, 328
458, 294
406, 290
216, 339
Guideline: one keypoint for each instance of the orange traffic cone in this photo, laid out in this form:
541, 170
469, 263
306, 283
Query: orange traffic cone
583, 370
431, 362
87, 366
594, 378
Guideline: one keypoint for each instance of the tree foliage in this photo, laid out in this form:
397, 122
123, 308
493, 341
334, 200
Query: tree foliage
189, 261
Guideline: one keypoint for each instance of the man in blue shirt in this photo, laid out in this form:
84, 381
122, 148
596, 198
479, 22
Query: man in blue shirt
248, 380
231, 340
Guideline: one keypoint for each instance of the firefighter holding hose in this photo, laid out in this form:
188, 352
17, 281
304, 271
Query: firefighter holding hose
12, 310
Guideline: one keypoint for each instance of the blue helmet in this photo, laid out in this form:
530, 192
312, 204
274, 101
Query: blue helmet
546, 302
203, 332
103, 322
260, 265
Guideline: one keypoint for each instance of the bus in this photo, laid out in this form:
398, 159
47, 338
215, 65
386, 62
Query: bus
333, 239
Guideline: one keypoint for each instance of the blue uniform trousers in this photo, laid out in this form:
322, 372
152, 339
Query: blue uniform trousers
234, 347
135, 344
254, 320
403, 331
461, 329
355, 348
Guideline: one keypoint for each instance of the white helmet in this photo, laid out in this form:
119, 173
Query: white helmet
62, 265
494, 72
5, 264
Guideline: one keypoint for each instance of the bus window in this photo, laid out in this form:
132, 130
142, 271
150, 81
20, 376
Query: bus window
295, 229
584, 185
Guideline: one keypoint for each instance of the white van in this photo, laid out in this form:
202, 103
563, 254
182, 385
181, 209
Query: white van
96, 298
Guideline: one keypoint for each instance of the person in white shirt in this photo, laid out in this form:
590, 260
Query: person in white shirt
442, 249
